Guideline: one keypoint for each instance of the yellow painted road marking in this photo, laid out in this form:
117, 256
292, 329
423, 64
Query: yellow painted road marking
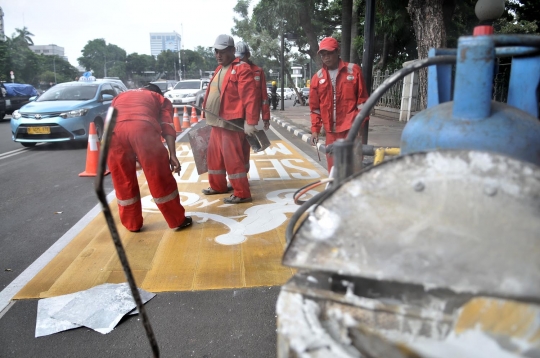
228, 246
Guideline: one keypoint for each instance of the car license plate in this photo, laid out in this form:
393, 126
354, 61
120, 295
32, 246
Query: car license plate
39, 130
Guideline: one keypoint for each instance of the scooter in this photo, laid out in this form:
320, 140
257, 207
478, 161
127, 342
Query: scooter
274, 100
297, 100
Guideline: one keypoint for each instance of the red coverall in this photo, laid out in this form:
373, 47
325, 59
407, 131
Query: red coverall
142, 117
225, 150
351, 93
260, 80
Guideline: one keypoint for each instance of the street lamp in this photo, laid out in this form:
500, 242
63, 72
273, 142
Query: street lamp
54, 62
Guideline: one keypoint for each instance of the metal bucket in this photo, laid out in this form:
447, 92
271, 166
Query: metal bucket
200, 137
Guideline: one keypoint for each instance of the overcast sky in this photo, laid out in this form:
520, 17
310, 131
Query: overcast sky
125, 23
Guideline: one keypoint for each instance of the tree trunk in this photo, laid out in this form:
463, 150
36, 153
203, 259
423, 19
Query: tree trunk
354, 32
346, 15
427, 18
381, 64
305, 22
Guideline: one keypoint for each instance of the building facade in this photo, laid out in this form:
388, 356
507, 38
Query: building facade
163, 41
2, 34
48, 50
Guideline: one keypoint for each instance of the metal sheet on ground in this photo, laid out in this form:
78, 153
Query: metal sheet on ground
229, 246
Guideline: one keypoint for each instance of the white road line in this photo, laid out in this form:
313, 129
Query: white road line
314, 162
16, 285
7, 294
12, 153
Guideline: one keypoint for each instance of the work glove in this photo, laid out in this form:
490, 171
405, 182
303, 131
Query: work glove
314, 138
249, 129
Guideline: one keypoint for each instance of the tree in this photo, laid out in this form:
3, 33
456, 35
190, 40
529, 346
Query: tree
49, 65
23, 35
427, 18
98, 57
167, 63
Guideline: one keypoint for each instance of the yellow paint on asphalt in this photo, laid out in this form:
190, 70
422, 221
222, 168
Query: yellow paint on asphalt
228, 246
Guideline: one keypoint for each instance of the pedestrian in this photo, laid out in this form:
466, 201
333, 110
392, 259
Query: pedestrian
337, 93
144, 116
273, 93
244, 54
232, 95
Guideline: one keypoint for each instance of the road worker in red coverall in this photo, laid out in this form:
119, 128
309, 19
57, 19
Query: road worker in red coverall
144, 116
243, 53
336, 95
231, 94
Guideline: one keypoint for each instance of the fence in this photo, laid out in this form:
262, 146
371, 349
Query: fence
401, 100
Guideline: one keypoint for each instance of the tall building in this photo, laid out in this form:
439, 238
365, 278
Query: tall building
2, 35
163, 41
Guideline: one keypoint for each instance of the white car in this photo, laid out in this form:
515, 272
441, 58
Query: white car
188, 92
289, 93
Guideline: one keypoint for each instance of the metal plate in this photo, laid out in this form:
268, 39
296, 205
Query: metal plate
463, 220
39, 130
199, 139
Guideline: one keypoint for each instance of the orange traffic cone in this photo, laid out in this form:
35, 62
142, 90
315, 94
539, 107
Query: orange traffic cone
176, 121
92, 154
194, 119
185, 120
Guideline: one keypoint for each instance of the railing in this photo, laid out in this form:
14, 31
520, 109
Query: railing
401, 100
392, 98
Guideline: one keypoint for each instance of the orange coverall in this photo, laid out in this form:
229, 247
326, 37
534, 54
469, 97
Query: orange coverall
238, 99
142, 118
351, 93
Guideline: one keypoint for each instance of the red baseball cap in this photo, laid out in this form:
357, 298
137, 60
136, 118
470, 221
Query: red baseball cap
328, 44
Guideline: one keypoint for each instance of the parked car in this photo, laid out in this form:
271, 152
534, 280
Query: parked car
188, 92
165, 86
288, 94
305, 92
13, 96
64, 112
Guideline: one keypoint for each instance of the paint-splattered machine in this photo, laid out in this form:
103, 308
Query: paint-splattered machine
435, 253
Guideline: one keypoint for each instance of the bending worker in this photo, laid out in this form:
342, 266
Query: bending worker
243, 53
336, 95
144, 115
232, 94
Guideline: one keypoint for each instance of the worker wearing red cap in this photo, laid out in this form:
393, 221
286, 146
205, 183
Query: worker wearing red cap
232, 103
336, 95
144, 116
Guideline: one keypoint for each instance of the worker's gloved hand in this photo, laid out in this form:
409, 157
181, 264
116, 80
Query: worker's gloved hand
314, 138
266, 124
249, 129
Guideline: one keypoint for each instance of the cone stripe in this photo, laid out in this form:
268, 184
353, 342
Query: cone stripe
92, 153
185, 123
93, 142
194, 119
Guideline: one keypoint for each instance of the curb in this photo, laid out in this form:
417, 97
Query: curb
300, 133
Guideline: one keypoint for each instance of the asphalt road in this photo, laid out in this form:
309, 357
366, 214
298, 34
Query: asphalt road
42, 197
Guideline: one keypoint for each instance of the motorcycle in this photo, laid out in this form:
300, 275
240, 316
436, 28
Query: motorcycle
297, 100
274, 100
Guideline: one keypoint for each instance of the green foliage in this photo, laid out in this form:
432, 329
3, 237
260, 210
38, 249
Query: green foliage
99, 57
168, 64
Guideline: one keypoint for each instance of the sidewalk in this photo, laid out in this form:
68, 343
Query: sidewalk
296, 119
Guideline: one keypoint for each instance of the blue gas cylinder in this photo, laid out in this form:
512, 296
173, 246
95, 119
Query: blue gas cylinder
472, 120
